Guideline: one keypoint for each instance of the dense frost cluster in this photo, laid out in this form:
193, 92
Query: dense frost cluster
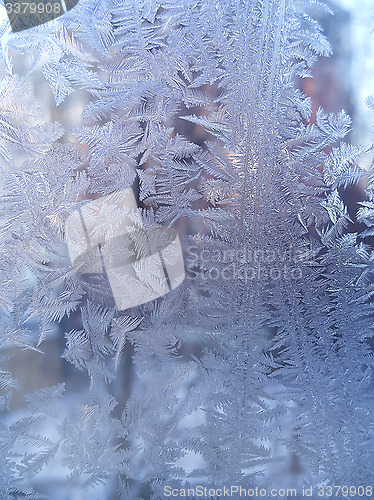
257, 369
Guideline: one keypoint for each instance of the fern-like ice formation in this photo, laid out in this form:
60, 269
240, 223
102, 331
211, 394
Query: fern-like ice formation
257, 370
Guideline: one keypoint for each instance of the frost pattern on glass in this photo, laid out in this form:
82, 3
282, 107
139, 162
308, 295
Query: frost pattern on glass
257, 370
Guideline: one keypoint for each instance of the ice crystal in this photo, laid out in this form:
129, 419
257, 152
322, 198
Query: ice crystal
257, 370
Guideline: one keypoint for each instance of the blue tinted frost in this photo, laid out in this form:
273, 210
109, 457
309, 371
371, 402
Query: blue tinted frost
257, 370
